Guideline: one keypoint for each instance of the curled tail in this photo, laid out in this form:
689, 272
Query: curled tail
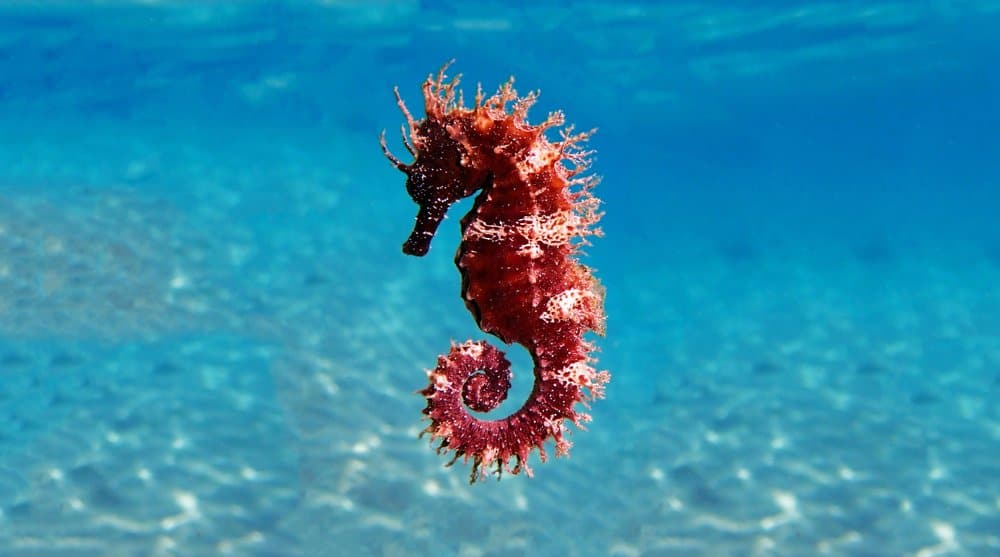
476, 375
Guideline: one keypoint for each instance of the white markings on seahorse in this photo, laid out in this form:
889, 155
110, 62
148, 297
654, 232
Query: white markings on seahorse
574, 305
537, 231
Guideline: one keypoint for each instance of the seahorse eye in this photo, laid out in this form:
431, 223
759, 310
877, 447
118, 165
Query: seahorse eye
416, 186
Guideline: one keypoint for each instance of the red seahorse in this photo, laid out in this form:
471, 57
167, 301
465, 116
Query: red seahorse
520, 277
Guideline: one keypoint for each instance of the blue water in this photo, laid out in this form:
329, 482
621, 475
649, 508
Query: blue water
210, 342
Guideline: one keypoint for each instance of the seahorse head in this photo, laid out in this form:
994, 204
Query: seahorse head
439, 176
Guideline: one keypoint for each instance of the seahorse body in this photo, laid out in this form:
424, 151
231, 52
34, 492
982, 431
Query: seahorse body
520, 277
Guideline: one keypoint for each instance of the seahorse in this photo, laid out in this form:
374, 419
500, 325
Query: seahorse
518, 260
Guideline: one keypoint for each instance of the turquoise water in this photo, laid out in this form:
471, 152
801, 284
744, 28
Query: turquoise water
210, 342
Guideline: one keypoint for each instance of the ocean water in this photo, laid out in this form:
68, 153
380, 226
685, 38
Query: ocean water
210, 342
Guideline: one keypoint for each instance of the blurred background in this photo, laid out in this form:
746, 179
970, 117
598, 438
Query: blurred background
210, 341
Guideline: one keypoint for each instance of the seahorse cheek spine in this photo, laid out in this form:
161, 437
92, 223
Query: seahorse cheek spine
520, 277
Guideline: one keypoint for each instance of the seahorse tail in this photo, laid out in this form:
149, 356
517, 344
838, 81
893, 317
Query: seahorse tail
476, 376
